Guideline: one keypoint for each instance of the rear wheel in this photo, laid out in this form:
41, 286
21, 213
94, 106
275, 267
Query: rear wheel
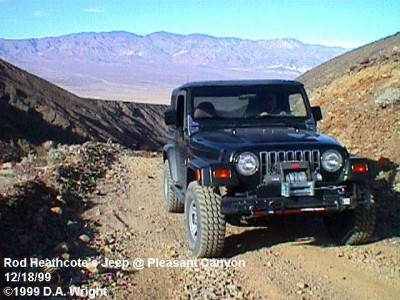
204, 223
353, 227
171, 203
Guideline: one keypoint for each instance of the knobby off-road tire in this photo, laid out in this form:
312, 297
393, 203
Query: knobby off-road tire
204, 223
353, 227
171, 203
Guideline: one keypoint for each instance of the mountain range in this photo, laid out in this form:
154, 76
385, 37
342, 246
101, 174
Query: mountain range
126, 66
359, 93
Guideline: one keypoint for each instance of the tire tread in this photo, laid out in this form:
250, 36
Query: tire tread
171, 202
212, 221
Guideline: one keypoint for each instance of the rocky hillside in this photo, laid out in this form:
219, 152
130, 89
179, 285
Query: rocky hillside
33, 110
123, 65
359, 93
100, 202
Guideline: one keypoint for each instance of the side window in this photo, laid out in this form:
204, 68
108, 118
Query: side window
180, 109
297, 107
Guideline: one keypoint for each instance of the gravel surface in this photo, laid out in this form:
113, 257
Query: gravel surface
103, 202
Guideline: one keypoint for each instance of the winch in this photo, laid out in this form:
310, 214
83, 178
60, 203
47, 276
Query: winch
296, 177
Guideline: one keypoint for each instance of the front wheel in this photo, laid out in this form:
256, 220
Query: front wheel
353, 227
204, 223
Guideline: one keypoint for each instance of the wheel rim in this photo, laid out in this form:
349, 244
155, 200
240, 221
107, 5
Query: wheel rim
193, 220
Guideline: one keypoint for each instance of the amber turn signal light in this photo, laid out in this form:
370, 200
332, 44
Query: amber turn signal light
222, 174
198, 174
360, 168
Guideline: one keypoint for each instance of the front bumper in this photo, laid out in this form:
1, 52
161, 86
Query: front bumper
282, 205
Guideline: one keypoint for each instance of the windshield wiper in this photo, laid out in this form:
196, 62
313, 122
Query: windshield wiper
267, 115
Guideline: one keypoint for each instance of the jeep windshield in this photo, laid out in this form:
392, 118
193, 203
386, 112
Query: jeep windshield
248, 104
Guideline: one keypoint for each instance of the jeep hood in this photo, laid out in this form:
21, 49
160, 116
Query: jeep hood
261, 138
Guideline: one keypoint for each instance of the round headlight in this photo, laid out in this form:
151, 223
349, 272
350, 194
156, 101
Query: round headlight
331, 160
247, 163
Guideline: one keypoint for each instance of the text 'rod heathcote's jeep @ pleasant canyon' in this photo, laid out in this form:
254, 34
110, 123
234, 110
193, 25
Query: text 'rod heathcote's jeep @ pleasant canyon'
242, 150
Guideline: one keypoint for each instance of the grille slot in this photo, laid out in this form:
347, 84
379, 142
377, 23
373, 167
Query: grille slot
269, 160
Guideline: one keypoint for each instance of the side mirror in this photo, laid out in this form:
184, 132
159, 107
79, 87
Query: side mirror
317, 113
170, 117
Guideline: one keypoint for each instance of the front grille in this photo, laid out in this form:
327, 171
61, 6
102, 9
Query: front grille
270, 160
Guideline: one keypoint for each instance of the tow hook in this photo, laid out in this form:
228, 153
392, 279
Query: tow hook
254, 214
251, 208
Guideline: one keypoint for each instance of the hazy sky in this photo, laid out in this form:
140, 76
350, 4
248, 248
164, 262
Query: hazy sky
339, 23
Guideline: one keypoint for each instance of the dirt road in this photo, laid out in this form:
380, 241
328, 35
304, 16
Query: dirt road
292, 259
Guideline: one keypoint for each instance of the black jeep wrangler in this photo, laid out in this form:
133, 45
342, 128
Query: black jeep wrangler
242, 150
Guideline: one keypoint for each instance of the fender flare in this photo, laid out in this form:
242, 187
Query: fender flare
349, 175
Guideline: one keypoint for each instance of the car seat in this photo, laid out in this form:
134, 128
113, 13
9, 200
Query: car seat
205, 110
